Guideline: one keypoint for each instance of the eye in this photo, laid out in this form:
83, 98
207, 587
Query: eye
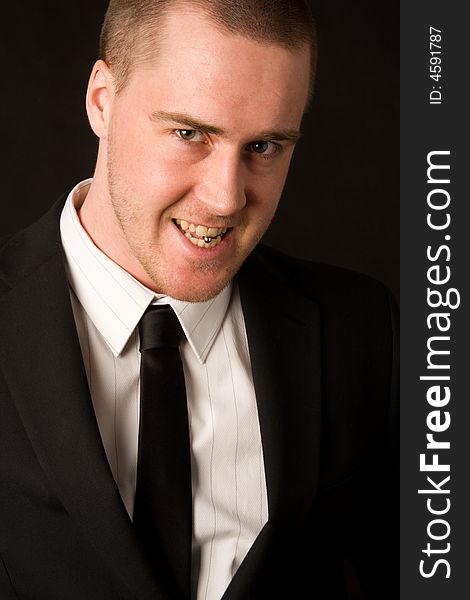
266, 149
189, 135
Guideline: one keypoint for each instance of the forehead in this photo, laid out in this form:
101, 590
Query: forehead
227, 78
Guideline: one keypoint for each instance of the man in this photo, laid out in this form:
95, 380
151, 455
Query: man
288, 366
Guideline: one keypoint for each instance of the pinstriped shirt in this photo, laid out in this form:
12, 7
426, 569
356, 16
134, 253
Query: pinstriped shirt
228, 478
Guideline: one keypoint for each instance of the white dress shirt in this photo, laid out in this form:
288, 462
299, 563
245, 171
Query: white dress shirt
228, 478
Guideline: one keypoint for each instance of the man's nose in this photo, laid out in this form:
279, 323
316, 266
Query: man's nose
223, 186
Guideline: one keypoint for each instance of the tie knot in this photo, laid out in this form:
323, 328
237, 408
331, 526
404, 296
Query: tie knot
159, 328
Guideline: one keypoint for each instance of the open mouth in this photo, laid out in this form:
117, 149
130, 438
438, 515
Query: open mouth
200, 235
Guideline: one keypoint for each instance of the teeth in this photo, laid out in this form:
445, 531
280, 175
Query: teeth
201, 231
200, 235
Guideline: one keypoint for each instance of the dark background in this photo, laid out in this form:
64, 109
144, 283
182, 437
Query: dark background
341, 203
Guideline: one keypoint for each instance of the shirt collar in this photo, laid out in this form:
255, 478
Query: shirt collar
115, 301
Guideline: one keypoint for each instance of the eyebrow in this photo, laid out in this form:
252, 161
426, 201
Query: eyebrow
281, 135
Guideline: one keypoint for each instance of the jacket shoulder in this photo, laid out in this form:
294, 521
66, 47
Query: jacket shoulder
326, 284
23, 252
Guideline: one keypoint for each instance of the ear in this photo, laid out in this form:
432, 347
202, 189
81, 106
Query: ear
100, 94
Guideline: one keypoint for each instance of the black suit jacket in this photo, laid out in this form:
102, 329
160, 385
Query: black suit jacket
322, 343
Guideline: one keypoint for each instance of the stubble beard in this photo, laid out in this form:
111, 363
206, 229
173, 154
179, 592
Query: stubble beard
147, 253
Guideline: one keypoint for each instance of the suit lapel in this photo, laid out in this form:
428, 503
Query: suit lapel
283, 330
45, 374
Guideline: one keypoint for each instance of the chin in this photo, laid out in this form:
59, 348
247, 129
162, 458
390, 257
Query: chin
199, 282
202, 288
193, 294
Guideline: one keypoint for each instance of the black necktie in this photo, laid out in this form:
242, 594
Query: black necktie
163, 501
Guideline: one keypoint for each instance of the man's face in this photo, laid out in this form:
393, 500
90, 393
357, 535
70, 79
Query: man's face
198, 148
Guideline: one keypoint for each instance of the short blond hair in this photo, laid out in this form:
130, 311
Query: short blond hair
130, 32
